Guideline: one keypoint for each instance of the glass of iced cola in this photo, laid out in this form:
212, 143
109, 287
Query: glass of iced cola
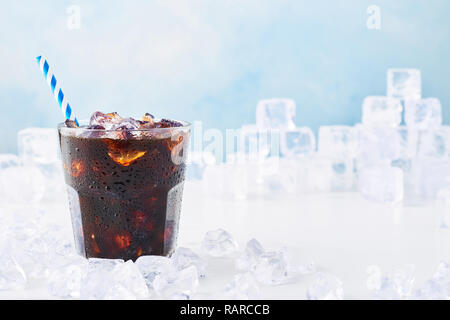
125, 182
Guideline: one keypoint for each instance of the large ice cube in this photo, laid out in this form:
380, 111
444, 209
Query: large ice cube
429, 175
381, 111
325, 174
381, 183
275, 114
127, 282
98, 280
423, 113
297, 142
337, 141
185, 257
219, 243
151, 266
317, 174
12, 275
271, 268
22, 184
325, 287
314, 173
65, 281
434, 142
177, 284
281, 175
8, 160
249, 258
404, 83
38, 145
385, 145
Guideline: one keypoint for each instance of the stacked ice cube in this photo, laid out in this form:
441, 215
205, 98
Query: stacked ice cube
396, 158
399, 151
36, 173
39, 148
276, 156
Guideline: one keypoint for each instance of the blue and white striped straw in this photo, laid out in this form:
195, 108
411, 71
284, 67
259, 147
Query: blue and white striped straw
56, 90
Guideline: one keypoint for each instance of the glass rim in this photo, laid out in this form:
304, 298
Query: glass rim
185, 125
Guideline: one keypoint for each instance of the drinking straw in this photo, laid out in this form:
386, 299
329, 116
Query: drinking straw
56, 90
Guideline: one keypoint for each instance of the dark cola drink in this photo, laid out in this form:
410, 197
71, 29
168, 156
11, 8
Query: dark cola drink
125, 183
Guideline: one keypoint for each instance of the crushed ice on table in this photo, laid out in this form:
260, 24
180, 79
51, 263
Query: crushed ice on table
65, 281
38, 247
173, 278
12, 275
249, 258
185, 257
438, 287
177, 284
151, 266
22, 184
219, 243
297, 264
394, 286
325, 287
113, 279
243, 287
271, 268
97, 281
128, 282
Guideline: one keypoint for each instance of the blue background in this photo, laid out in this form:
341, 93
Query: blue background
213, 60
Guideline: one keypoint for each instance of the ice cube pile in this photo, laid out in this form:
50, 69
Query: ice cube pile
113, 126
398, 153
35, 174
43, 252
400, 284
397, 285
